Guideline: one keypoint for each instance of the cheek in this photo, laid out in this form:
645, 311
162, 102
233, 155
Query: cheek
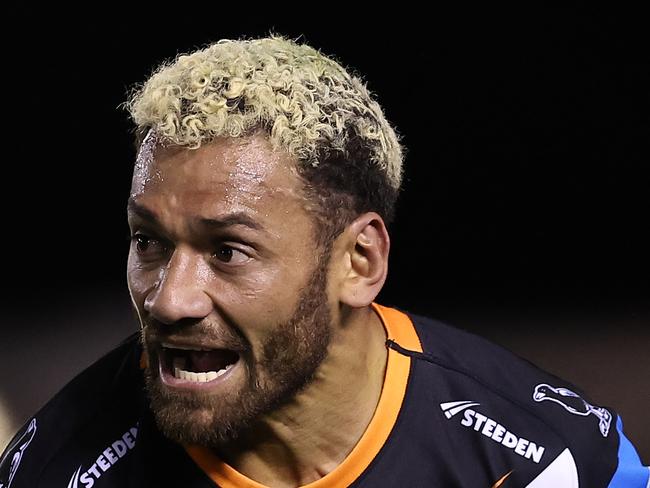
263, 284
259, 305
139, 280
278, 300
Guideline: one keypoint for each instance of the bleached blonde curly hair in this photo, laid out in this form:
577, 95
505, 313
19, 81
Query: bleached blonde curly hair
308, 104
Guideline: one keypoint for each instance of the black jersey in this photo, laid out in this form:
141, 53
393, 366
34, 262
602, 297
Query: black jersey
455, 411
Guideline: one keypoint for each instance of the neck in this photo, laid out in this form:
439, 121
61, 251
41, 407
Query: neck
311, 435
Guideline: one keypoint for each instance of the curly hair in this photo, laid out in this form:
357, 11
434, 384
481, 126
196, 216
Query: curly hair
350, 156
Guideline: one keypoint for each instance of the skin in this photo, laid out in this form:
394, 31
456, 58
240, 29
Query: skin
235, 285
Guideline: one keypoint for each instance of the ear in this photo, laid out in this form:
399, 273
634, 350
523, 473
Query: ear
366, 246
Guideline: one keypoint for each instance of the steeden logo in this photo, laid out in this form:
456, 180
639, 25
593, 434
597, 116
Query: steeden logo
107, 459
492, 429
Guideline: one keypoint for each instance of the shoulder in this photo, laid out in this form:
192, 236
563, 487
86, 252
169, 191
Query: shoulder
92, 404
518, 410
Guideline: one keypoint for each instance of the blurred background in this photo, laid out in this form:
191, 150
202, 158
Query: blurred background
524, 215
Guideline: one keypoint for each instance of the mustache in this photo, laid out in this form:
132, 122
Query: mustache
201, 332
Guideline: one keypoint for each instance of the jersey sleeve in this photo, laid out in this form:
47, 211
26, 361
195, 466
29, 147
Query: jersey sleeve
560, 438
630, 472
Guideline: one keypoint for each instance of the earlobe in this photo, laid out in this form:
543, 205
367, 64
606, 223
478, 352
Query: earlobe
367, 247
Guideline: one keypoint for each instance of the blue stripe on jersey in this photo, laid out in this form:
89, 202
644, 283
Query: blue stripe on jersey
630, 473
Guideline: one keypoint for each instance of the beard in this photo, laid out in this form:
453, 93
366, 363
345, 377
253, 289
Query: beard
288, 362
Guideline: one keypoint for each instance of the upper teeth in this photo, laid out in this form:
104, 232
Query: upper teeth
199, 377
185, 348
183, 374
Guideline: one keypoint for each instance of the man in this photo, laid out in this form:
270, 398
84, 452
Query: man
265, 178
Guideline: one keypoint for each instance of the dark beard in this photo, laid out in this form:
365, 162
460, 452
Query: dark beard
288, 362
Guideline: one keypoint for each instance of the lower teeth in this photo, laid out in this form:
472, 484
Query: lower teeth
199, 377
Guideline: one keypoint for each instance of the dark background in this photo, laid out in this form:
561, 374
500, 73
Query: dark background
524, 216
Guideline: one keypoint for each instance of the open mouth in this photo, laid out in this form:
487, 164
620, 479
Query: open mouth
196, 365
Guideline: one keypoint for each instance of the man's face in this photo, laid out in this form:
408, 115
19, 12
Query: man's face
230, 291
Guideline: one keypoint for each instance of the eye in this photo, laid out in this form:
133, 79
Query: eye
141, 242
146, 245
230, 255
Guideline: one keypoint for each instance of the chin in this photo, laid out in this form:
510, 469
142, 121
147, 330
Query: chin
195, 418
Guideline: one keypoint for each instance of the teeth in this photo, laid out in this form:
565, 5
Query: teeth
183, 374
222, 371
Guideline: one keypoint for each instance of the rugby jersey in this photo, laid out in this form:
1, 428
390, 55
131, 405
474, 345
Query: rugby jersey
455, 411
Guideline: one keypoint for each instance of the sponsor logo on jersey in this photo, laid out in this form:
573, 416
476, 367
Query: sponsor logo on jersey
573, 403
492, 429
105, 461
15, 453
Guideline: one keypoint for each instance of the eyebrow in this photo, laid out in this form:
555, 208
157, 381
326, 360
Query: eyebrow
229, 220
141, 211
235, 218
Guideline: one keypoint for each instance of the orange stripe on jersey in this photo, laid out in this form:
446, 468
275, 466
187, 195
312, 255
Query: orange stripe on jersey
400, 329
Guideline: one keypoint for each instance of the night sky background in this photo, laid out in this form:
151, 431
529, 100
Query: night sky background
524, 213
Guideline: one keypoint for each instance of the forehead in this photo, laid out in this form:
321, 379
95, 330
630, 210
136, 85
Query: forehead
228, 172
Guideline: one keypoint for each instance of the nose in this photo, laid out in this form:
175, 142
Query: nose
180, 293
